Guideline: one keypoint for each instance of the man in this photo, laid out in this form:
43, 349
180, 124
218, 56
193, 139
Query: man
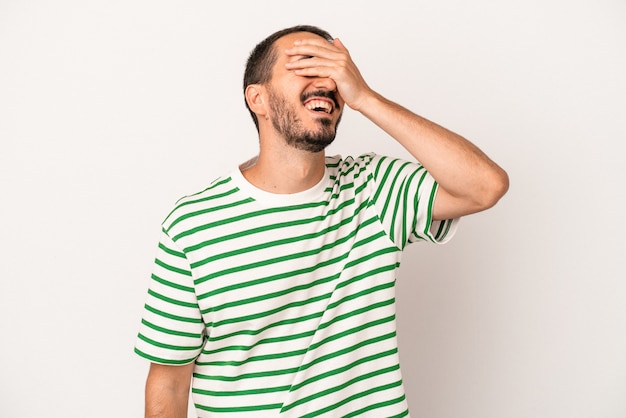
274, 287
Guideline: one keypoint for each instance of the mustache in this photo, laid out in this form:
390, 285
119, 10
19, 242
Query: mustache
320, 93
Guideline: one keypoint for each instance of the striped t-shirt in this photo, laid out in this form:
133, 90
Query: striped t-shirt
286, 302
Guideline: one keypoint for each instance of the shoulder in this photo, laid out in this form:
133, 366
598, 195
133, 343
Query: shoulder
216, 194
350, 163
371, 163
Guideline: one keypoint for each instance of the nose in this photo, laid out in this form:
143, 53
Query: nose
325, 83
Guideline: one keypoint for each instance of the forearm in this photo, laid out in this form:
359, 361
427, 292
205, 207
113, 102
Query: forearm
167, 391
458, 166
162, 403
468, 180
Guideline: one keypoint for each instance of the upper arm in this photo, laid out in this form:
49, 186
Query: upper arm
174, 378
447, 206
167, 390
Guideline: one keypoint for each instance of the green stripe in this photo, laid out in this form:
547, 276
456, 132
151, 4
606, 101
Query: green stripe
396, 208
214, 184
271, 295
302, 367
168, 346
353, 296
359, 189
262, 341
208, 210
172, 268
170, 251
171, 300
296, 288
342, 188
348, 349
440, 229
265, 228
264, 357
367, 241
289, 321
296, 336
340, 387
390, 187
172, 284
239, 408
240, 392
235, 189
344, 368
442, 233
331, 164
282, 241
162, 360
405, 209
404, 413
321, 326
352, 331
429, 217
292, 273
373, 255
171, 331
352, 398
254, 375
272, 311
265, 279
345, 173
174, 317
416, 204
379, 405
186, 202
248, 215
381, 160
357, 311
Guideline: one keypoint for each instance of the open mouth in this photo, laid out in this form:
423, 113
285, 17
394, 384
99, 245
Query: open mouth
320, 106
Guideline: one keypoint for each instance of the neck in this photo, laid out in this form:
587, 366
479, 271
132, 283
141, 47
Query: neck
285, 170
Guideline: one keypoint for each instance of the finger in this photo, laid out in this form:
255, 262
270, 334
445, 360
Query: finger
313, 41
322, 72
312, 47
310, 62
316, 59
338, 44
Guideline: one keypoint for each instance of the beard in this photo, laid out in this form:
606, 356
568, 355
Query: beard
286, 122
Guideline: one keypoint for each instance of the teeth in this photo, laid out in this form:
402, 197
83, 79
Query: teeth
319, 104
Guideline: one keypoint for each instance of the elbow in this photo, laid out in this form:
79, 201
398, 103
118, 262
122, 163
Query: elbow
494, 188
479, 195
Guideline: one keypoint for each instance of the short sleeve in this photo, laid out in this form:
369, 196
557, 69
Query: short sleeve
404, 195
171, 330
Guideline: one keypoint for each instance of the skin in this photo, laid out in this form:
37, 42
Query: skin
468, 180
167, 391
300, 169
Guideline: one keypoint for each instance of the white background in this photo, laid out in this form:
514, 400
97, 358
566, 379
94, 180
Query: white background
111, 111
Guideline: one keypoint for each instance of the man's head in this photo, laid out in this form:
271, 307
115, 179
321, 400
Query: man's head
263, 57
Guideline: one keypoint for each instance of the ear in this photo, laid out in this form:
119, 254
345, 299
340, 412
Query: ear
255, 97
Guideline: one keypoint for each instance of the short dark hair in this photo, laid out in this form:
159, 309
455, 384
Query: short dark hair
263, 56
